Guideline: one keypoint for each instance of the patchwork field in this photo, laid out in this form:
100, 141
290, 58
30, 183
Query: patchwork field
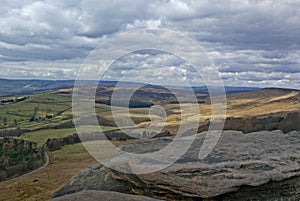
37, 111
45, 116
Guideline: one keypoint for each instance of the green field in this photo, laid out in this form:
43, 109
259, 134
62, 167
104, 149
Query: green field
41, 136
31, 113
77, 152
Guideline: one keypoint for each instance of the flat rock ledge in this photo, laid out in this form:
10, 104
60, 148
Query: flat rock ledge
92, 195
263, 165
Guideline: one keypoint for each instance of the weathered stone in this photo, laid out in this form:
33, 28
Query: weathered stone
239, 160
91, 195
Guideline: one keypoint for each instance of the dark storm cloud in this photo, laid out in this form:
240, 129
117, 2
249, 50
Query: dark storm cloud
248, 39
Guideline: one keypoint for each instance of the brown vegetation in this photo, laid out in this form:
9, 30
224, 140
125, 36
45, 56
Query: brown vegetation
42, 184
18, 157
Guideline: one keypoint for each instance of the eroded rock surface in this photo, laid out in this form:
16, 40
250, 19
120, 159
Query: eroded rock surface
237, 161
92, 195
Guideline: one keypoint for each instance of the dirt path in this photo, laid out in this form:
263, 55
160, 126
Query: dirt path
40, 184
31, 172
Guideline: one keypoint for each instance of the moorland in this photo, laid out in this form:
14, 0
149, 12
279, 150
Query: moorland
37, 112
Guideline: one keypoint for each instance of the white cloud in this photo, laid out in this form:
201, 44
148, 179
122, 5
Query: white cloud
258, 40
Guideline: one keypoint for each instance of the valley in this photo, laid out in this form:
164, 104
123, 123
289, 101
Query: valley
48, 115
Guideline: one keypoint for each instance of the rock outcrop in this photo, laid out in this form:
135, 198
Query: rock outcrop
241, 167
91, 195
284, 121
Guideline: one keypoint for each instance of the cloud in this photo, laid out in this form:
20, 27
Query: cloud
258, 40
39, 69
155, 68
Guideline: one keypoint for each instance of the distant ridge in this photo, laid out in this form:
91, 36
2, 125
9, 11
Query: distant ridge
228, 89
281, 89
21, 87
30, 86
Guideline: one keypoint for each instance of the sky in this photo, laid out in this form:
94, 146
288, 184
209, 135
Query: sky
252, 42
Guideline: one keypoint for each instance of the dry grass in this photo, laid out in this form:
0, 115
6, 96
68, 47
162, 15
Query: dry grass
64, 164
41, 185
265, 102
71, 159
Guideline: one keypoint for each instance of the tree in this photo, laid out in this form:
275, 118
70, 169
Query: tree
4, 120
15, 122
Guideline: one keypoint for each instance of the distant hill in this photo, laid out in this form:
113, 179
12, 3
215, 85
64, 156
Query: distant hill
228, 89
20, 87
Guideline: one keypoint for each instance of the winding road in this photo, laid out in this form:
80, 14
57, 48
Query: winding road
33, 171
